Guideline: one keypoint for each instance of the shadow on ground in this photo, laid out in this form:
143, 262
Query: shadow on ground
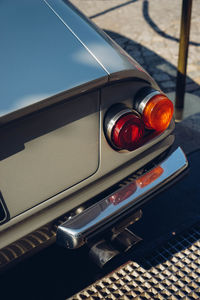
56, 273
188, 131
112, 8
156, 28
160, 69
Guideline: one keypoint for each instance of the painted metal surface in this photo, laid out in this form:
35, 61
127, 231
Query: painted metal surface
39, 58
75, 232
45, 61
110, 56
50, 51
49, 152
183, 53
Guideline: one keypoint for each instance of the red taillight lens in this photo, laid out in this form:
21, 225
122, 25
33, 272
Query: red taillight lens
120, 196
127, 132
158, 113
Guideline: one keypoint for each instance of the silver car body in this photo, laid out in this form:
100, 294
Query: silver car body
59, 75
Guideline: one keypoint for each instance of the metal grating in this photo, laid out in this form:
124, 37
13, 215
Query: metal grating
170, 272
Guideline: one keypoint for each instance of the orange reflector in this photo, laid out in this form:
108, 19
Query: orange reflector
149, 177
158, 113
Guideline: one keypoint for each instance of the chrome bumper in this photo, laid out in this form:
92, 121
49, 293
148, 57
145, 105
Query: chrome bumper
75, 232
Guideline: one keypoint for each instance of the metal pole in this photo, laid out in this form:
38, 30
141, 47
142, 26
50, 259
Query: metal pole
183, 53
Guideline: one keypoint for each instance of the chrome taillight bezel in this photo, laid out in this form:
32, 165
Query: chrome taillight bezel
112, 116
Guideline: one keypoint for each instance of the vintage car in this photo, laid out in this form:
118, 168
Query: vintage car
85, 131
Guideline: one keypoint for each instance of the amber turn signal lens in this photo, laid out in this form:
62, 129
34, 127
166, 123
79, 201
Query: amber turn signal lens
127, 132
158, 113
149, 177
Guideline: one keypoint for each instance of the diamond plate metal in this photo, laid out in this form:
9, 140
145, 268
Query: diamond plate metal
170, 272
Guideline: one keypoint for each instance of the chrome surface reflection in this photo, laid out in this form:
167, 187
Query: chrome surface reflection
74, 232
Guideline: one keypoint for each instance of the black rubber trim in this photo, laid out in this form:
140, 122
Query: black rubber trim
4, 213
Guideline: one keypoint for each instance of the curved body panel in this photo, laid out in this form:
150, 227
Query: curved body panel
50, 51
60, 75
40, 58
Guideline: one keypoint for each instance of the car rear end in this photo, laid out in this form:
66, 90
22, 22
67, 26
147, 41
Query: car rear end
76, 120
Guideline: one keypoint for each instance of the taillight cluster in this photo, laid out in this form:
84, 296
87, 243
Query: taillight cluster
128, 128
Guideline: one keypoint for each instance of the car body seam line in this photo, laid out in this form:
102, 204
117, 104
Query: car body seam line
82, 43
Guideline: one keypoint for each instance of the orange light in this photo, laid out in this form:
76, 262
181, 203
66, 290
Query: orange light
158, 113
149, 177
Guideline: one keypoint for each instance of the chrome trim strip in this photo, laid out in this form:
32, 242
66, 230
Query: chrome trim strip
74, 232
143, 103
